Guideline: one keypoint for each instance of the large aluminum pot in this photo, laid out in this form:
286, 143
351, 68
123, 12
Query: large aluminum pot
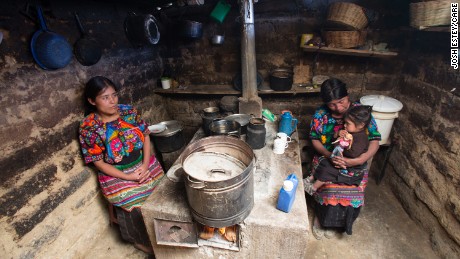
219, 196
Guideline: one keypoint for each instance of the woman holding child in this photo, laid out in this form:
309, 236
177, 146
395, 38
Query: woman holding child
338, 197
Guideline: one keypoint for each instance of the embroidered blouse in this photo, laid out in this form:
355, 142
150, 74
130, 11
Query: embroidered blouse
115, 140
324, 127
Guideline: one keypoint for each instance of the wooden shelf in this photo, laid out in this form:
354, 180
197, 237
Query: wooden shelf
429, 29
350, 52
229, 90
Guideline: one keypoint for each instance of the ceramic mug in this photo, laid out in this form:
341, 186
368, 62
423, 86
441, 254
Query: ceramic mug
279, 146
283, 136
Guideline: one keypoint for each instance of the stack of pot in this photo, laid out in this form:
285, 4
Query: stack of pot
345, 23
171, 139
208, 115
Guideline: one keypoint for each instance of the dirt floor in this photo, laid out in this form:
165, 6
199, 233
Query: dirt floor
383, 230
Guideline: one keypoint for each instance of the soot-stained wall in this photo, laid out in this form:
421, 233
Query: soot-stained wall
424, 166
48, 199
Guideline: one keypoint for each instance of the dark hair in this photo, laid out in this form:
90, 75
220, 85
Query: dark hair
333, 89
93, 87
359, 114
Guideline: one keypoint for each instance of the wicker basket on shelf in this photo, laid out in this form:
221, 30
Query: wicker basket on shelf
430, 13
344, 39
347, 15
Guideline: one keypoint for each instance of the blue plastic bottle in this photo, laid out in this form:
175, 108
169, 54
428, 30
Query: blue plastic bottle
287, 193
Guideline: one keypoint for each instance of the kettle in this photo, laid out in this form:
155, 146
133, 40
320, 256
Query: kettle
288, 123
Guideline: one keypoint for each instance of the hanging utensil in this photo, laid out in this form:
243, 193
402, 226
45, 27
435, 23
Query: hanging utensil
49, 49
141, 30
87, 50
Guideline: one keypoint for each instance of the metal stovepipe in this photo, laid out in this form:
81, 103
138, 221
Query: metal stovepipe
250, 102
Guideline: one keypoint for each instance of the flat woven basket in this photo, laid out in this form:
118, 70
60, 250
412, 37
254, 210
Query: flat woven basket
348, 15
344, 39
429, 14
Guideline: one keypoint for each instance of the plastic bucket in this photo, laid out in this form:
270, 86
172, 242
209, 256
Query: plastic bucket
220, 11
385, 110
384, 122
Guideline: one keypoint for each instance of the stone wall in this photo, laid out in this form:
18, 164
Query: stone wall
50, 204
425, 165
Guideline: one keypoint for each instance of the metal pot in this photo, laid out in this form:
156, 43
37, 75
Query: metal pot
142, 29
208, 115
225, 127
256, 133
242, 119
171, 139
211, 111
219, 197
192, 29
281, 79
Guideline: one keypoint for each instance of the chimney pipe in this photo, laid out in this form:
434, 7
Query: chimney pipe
250, 102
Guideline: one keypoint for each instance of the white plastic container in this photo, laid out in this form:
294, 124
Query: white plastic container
384, 109
166, 82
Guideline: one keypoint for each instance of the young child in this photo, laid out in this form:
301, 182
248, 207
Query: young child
356, 121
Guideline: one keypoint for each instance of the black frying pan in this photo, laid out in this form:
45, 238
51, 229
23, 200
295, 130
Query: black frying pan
87, 51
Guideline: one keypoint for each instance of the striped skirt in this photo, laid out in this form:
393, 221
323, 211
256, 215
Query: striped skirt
130, 194
340, 194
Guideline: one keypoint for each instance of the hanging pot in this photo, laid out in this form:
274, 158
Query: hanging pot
192, 29
220, 180
142, 29
49, 49
87, 50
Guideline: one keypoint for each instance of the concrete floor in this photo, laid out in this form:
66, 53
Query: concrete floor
383, 230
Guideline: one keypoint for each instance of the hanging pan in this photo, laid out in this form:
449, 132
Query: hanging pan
87, 51
49, 49
141, 30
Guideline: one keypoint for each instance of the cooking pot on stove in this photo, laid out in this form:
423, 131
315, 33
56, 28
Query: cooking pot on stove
208, 115
225, 127
219, 180
242, 119
171, 139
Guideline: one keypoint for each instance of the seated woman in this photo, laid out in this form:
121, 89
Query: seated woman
115, 139
337, 205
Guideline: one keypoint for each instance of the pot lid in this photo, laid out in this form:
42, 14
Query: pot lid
382, 103
172, 127
212, 166
242, 119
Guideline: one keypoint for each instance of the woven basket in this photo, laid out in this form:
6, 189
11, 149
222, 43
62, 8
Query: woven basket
431, 13
344, 39
347, 15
